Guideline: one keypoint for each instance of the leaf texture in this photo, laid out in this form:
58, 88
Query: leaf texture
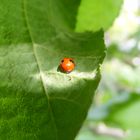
37, 101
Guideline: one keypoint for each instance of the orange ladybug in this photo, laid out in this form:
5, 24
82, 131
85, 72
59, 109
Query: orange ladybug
67, 65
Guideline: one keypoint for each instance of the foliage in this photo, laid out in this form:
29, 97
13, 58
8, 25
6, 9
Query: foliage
116, 105
37, 101
96, 14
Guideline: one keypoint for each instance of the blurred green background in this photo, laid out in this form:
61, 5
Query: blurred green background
115, 113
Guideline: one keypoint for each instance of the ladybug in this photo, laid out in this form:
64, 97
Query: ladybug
67, 65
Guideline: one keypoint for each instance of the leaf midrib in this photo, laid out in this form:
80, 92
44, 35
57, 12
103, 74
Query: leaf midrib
37, 61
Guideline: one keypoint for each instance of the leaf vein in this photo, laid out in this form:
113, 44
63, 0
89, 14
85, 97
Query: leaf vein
37, 61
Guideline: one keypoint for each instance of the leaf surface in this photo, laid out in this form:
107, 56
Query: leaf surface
97, 14
36, 100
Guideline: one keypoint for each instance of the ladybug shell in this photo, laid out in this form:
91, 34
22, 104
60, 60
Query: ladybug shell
67, 65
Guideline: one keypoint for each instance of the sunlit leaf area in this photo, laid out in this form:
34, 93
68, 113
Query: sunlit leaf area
115, 112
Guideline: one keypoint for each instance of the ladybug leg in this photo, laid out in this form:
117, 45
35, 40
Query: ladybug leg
59, 69
70, 78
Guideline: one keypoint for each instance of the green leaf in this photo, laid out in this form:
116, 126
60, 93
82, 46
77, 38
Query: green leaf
36, 100
127, 116
96, 14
